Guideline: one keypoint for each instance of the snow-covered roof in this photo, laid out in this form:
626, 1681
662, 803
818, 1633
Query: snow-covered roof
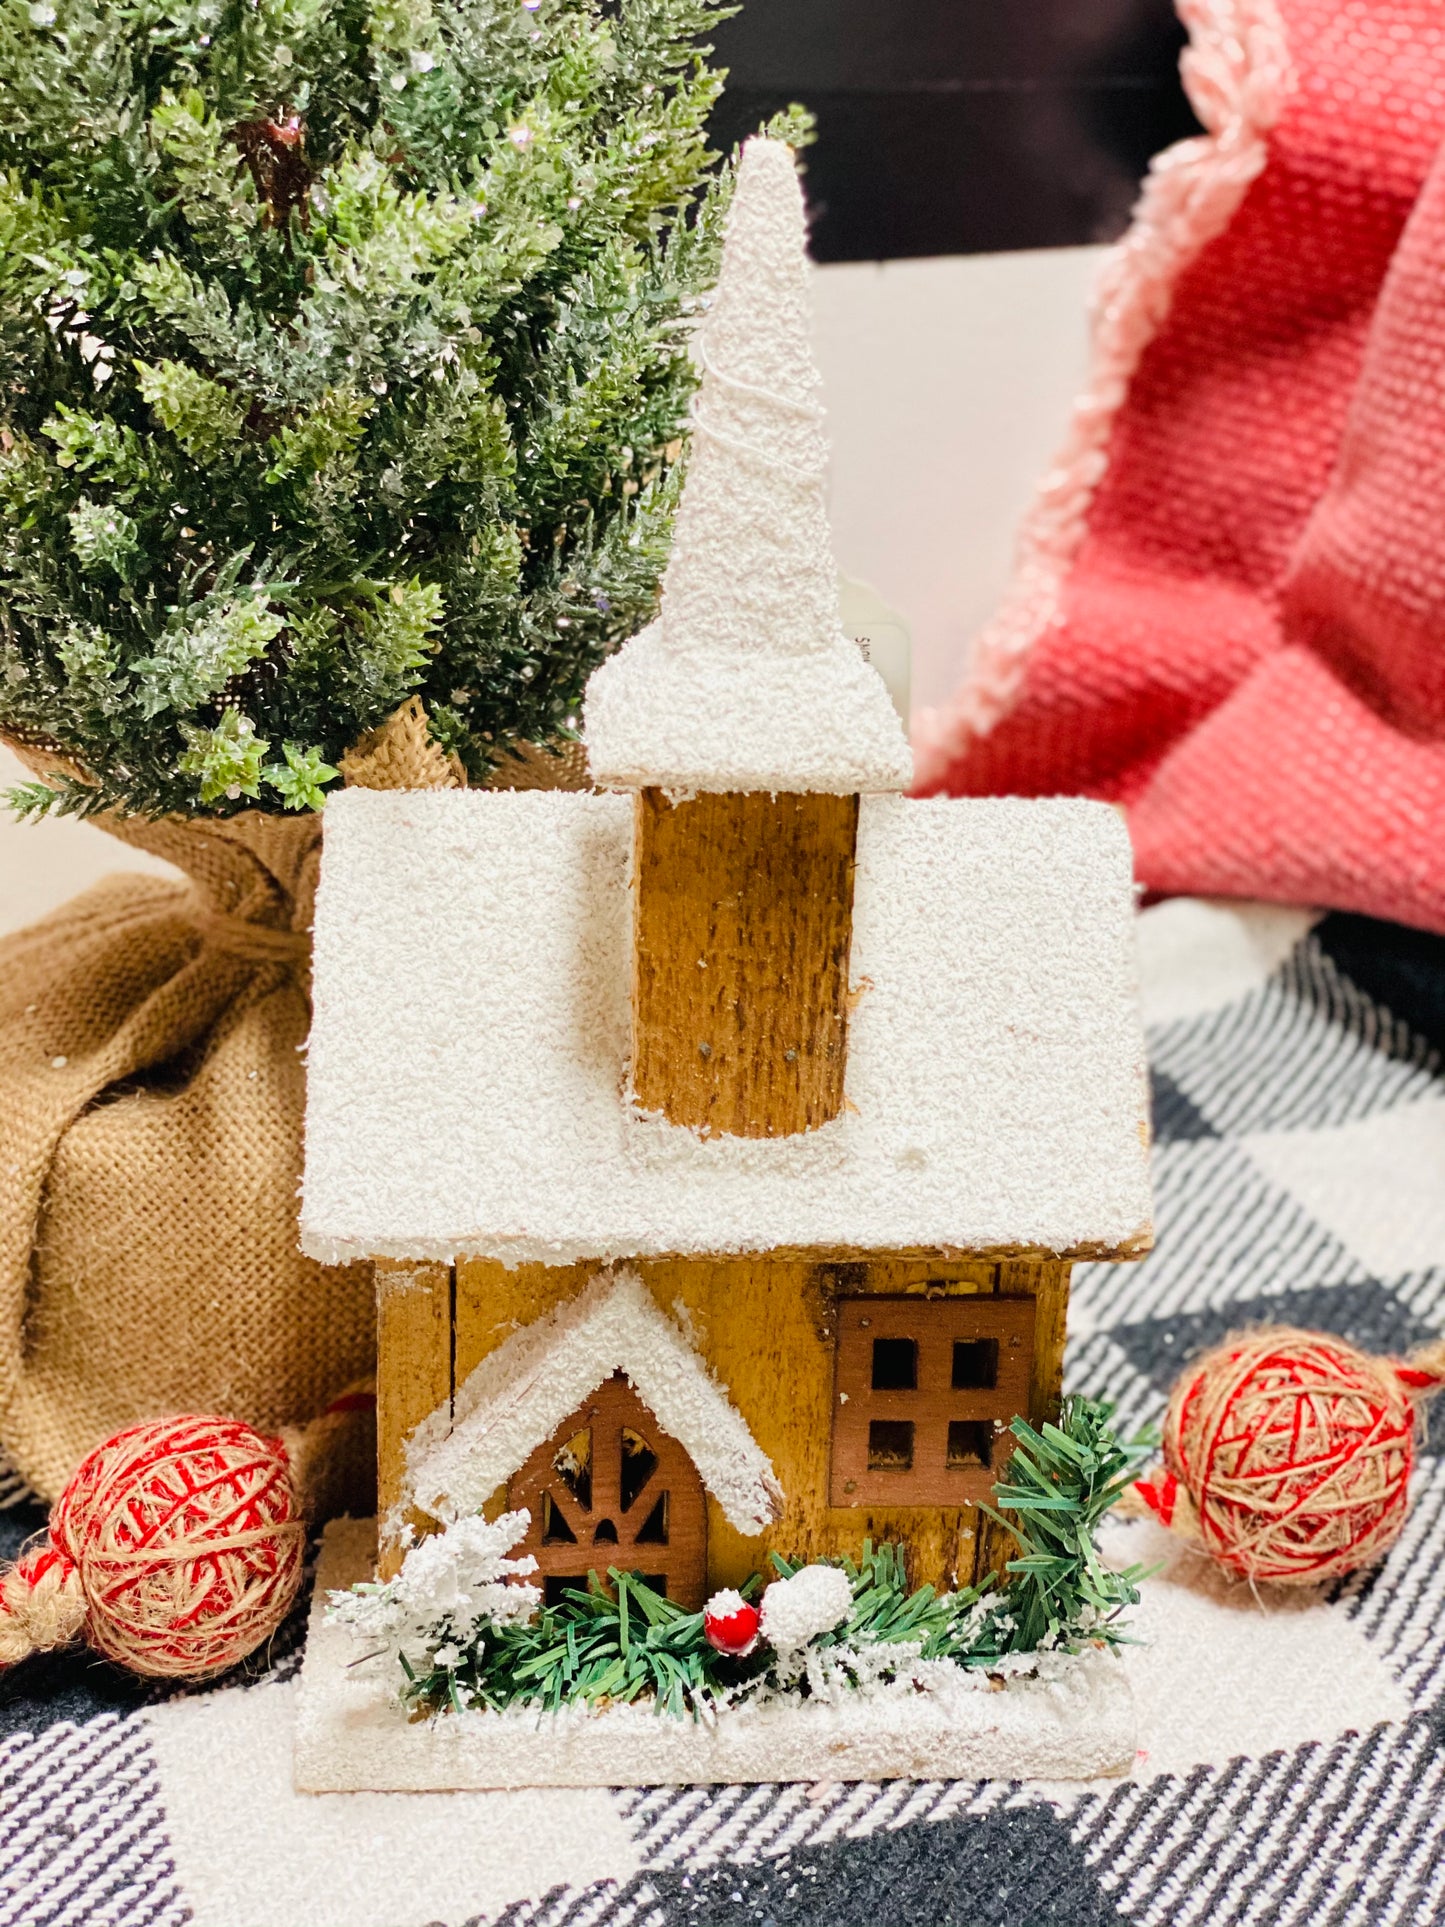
469, 1047
746, 681
518, 1396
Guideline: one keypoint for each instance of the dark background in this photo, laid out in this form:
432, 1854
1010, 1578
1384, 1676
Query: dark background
962, 126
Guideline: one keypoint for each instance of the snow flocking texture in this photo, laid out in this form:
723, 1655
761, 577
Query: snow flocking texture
995, 1078
935, 1720
450, 1583
810, 1602
747, 682
518, 1396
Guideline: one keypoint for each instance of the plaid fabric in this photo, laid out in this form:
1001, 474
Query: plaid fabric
1300, 1116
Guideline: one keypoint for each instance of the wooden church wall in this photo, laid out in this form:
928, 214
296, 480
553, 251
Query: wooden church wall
766, 1328
413, 1376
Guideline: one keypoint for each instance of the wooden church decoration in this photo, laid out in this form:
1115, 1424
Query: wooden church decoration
717, 1075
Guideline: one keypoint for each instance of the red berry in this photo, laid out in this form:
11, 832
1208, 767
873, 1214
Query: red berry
730, 1624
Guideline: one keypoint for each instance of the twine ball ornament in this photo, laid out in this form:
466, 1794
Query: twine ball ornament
1288, 1454
175, 1550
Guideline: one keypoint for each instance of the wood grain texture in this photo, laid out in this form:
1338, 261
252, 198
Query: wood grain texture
606, 1514
742, 921
492, 1302
1048, 1285
766, 1328
413, 1377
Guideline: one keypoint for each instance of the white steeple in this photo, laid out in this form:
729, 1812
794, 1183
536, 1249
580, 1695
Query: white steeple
752, 561
746, 681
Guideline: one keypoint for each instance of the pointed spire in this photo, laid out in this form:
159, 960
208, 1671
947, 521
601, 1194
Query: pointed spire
752, 558
746, 682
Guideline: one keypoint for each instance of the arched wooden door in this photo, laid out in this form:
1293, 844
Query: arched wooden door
611, 1488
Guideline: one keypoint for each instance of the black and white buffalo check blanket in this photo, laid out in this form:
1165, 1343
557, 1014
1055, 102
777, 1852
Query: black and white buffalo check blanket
1292, 1757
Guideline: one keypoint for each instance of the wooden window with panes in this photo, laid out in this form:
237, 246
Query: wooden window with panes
923, 1393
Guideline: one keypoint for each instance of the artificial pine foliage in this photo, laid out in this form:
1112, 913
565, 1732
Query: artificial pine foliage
1061, 1482
623, 1641
596, 1645
1058, 1594
343, 355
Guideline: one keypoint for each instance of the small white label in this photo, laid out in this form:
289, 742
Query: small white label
882, 636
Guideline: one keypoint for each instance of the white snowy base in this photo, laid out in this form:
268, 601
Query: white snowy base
351, 1734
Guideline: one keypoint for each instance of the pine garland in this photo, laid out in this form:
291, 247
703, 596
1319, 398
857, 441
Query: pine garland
342, 356
629, 1643
598, 1646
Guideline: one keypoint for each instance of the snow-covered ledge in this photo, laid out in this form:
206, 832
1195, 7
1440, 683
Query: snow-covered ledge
352, 1734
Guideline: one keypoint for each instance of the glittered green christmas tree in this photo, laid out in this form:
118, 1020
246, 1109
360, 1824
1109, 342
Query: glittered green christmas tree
343, 357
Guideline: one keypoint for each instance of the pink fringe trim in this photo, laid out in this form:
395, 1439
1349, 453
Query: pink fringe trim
1236, 71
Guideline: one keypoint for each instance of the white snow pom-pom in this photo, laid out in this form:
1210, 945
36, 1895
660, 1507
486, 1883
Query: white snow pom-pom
813, 1601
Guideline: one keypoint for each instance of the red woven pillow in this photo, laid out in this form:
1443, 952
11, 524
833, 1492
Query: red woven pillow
1230, 615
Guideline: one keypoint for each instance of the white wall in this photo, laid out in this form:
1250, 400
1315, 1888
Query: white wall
41, 864
948, 383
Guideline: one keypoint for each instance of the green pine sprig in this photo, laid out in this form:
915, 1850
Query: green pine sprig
1062, 1480
885, 1610
598, 1646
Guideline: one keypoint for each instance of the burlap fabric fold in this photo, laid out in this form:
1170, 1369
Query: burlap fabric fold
151, 1099
151, 1092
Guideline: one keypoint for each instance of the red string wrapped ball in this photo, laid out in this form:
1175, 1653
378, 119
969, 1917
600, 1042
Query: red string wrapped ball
1294, 1454
175, 1550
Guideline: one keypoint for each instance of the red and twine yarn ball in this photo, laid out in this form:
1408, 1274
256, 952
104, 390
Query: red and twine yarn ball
175, 1550
1294, 1452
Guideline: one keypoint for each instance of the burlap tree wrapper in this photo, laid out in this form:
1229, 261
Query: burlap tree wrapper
151, 1097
